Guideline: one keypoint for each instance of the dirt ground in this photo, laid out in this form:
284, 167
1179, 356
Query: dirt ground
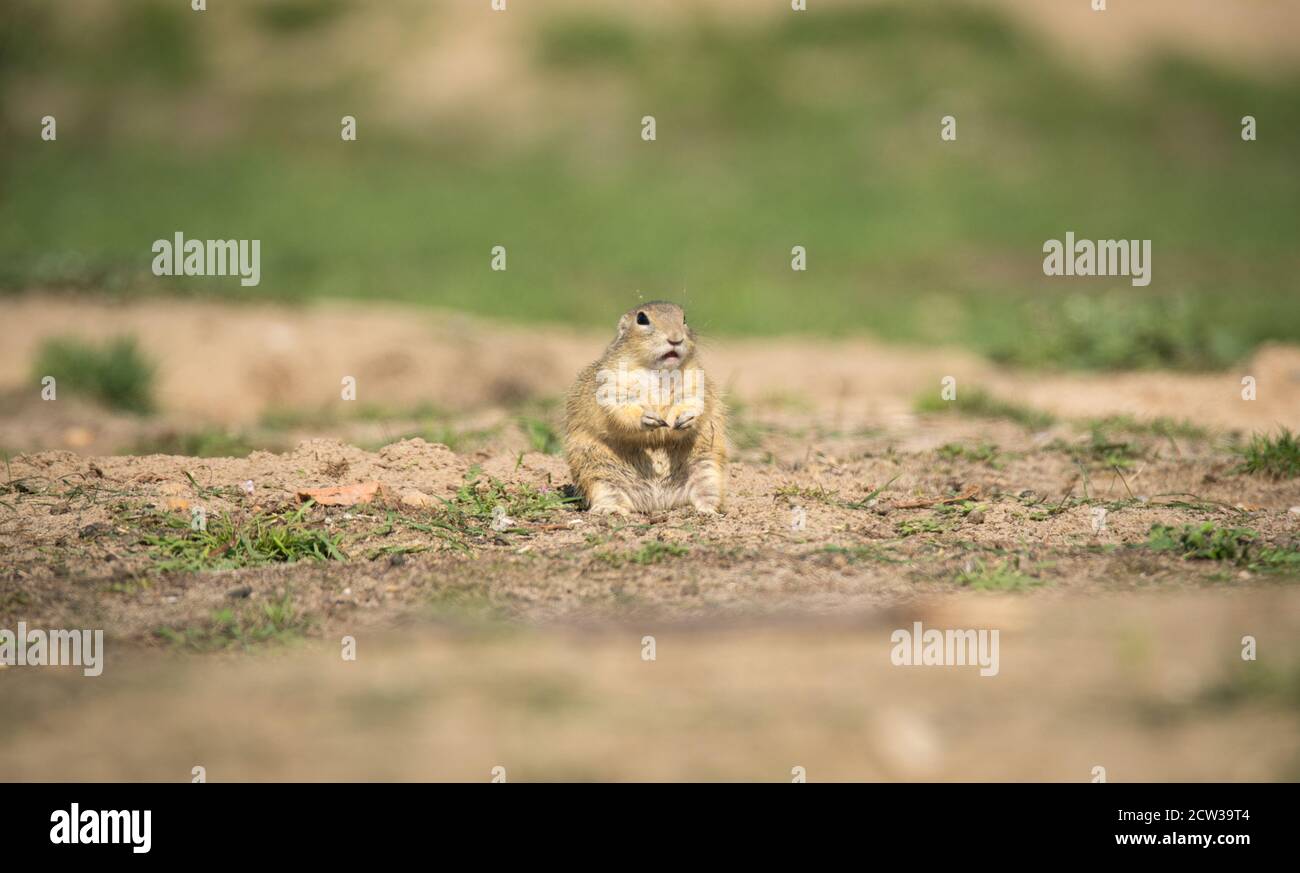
464, 58
850, 515
232, 366
1143, 687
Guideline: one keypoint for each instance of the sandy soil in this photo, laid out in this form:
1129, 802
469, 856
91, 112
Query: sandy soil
1247, 34
470, 57
520, 648
1144, 687
231, 366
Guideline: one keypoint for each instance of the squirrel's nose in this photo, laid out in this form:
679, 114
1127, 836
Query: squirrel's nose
676, 342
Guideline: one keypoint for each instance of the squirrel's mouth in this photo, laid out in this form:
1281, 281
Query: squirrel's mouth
670, 357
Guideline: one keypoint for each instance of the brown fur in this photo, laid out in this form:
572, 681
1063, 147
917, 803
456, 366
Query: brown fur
645, 453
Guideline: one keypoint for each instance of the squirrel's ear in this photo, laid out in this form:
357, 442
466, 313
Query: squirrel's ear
623, 324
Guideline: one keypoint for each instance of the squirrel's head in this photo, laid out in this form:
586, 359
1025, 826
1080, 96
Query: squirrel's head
655, 335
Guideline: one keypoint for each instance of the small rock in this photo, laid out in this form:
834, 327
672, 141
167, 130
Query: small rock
247, 487
1295, 510
95, 529
416, 499
975, 516
500, 521
240, 593
78, 437
396, 559
341, 495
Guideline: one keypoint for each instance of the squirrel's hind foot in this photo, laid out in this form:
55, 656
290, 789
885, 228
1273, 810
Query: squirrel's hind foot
606, 500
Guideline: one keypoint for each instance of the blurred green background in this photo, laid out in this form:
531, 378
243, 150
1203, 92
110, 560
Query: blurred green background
774, 130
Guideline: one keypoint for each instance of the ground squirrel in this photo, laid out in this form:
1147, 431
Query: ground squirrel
644, 428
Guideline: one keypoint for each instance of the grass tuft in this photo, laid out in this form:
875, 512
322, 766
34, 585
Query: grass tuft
541, 436
980, 404
983, 452
1116, 331
855, 554
1277, 456
923, 525
230, 543
1003, 576
1203, 542
1160, 426
275, 621
115, 374
206, 443
478, 502
651, 553
1236, 545
1101, 449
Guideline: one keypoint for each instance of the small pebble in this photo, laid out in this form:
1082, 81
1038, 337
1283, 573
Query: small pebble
416, 499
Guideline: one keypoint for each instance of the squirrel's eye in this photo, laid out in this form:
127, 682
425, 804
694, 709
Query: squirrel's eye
641, 318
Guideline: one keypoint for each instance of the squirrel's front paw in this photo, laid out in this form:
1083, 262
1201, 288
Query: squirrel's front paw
684, 420
650, 422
